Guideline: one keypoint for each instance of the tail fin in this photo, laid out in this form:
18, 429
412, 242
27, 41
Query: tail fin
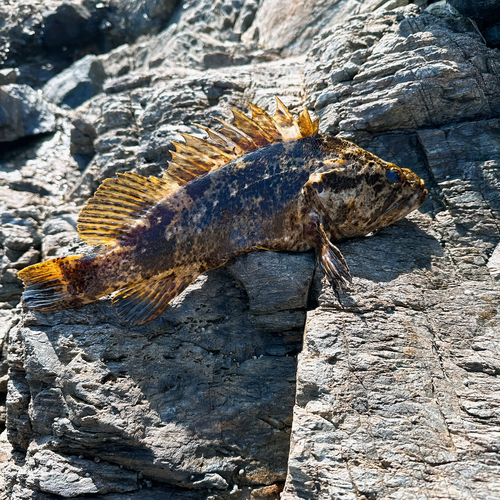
47, 285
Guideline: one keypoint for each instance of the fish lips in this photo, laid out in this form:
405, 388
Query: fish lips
412, 202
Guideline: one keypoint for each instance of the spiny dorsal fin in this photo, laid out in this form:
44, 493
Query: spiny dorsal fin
245, 134
120, 204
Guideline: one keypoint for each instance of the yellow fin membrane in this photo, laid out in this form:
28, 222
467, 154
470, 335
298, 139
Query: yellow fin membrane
145, 301
118, 205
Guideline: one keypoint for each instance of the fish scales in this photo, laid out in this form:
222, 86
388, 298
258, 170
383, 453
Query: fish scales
266, 182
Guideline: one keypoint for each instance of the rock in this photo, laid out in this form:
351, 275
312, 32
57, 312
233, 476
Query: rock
494, 264
67, 26
218, 389
407, 63
395, 391
43, 38
71, 476
141, 17
8, 75
23, 112
482, 10
492, 36
19, 247
404, 300
271, 288
292, 29
77, 84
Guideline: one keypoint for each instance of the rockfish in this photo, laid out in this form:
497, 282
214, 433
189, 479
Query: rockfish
263, 182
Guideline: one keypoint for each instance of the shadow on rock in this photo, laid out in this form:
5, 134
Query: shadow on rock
202, 397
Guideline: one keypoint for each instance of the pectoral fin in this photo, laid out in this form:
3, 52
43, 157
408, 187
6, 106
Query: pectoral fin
146, 300
332, 262
328, 255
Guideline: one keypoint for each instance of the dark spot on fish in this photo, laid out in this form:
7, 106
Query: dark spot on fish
196, 189
372, 179
338, 183
158, 219
318, 186
377, 187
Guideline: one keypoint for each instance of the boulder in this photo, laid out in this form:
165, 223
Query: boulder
67, 26
8, 75
23, 112
480, 10
76, 84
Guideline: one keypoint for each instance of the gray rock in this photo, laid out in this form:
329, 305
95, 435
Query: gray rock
43, 38
492, 36
405, 61
396, 387
67, 26
291, 278
482, 10
19, 247
379, 372
291, 29
8, 75
76, 84
208, 390
71, 477
23, 112
141, 17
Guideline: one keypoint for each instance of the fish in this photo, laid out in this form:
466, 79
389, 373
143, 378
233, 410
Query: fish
260, 182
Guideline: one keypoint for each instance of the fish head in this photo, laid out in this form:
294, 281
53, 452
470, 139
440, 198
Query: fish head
357, 193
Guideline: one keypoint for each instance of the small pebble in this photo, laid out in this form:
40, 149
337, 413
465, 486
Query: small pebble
467, 292
80, 457
202, 329
97, 460
389, 309
87, 474
241, 472
452, 297
254, 357
447, 176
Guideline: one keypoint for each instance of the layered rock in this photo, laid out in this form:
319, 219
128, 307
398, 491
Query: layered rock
394, 391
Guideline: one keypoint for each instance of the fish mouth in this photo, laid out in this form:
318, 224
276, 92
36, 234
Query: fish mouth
419, 196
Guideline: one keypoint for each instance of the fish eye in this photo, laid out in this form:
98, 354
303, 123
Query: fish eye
393, 176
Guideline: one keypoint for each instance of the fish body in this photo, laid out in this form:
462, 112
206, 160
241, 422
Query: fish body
273, 183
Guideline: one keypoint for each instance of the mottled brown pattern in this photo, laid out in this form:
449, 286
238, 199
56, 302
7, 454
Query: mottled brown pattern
290, 195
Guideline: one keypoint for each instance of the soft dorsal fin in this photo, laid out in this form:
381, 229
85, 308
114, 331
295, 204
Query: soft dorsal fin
119, 204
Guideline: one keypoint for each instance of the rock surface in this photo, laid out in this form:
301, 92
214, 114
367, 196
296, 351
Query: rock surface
23, 111
394, 392
77, 84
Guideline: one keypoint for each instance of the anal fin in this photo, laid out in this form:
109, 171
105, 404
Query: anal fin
146, 300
